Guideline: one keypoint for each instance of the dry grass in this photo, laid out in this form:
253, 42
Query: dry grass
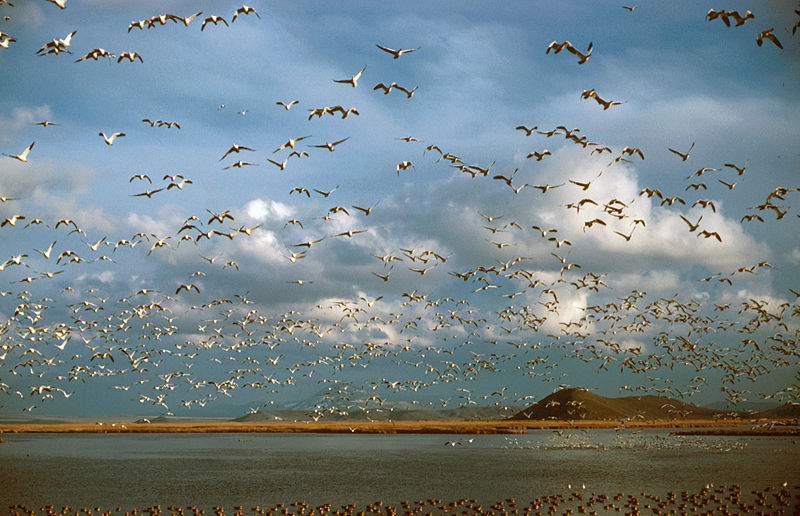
376, 427
774, 432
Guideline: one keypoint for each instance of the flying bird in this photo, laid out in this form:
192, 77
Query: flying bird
330, 146
244, 10
386, 89
131, 56
291, 143
710, 234
213, 19
22, 156
287, 106
738, 169
6, 40
404, 165
631, 151
184, 20
683, 155
96, 54
187, 288
692, 227
12, 221
57, 45
539, 155
353, 81
235, 148
725, 15
240, 164
558, 47
110, 139
397, 53
366, 211
281, 165
328, 193
409, 93
148, 193
309, 243
770, 36
300, 191
350, 233
139, 24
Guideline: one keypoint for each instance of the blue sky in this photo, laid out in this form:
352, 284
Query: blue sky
683, 83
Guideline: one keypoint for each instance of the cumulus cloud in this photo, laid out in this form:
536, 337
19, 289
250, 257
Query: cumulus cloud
19, 118
49, 190
262, 210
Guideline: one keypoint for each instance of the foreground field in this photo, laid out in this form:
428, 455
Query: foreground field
388, 427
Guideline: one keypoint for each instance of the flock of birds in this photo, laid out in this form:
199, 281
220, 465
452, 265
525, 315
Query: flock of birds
711, 499
624, 440
148, 341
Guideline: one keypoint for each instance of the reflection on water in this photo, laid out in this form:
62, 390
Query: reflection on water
138, 470
635, 439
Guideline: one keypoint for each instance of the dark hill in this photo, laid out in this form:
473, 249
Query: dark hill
786, 411
579, 403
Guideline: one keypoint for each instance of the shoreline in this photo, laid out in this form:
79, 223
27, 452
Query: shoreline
698, 426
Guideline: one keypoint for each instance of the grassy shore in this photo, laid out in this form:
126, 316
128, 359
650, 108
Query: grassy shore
375, 427
778, 431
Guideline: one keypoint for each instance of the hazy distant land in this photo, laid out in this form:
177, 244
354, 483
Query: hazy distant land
568, 408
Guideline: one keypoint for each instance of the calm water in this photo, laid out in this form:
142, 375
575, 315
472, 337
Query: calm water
138, 470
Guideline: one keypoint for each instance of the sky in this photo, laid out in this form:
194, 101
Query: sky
423, 260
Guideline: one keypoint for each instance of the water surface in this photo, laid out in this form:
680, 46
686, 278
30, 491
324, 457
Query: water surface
141, 470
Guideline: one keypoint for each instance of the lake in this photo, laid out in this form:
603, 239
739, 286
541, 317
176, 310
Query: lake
141, 470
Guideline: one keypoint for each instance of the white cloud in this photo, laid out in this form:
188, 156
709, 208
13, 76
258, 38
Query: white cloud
653, 281
21, 118
264, 246
55, 190
664, 237
148, 224
105, 277
262, 210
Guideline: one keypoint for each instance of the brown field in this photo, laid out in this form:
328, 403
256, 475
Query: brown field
775, 431
379, 427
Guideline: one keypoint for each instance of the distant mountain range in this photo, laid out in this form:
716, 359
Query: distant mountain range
397, 414
564, 405
577, 403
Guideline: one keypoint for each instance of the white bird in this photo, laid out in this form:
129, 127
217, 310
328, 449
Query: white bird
214, 20
235, 148
282, 165
131, 56
184, 20
60, 3
96, 53
110, 139
397, 53
57, 45
353, 81
330, 146
6, 40
291, 143
286, 106
23, 156
244, 10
